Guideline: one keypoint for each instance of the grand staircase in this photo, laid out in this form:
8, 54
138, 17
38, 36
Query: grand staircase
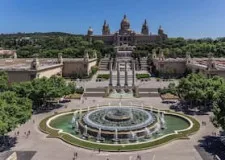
144, 63
103, 65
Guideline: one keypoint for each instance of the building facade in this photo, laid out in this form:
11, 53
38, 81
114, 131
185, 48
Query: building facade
26, 69
178, 66
126, 35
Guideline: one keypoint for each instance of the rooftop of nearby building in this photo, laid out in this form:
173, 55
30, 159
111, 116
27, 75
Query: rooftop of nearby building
25, 64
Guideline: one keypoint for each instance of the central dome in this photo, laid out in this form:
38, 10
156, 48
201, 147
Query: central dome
125, 24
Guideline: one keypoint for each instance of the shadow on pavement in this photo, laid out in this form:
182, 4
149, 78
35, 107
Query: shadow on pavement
210, 146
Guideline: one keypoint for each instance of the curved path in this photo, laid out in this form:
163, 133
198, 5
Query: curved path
55, 149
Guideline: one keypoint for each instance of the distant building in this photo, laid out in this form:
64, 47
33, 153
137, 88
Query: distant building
26, 69
178, 66
125, 35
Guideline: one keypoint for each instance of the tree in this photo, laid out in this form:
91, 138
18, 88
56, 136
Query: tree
3, 81
13, 111
219, 110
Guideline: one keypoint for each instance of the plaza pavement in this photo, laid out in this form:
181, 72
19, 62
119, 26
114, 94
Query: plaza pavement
56, 149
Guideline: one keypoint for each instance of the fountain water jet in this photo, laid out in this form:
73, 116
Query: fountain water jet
133, 137
76, 127
116, 139
99, 136
162, 121
148, 133
85, 134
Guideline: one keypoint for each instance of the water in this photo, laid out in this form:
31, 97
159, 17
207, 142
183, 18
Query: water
99, 134
172, 123
147, 132
116, 135
122, 94
85, 130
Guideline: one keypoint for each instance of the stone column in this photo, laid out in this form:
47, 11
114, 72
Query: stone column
126, 78
118, 73
133, 73
110, 72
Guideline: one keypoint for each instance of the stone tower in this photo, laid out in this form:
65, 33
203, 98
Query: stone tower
160, 31
90, 31
105, 29
145, 29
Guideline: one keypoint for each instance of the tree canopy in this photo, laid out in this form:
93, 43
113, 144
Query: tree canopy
178, 47
48, 45
14, 110
18, 99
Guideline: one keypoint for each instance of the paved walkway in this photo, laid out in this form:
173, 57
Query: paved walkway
55, 149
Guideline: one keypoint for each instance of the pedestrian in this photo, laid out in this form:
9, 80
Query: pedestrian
33, 121
18, 133
99, 150
76, 154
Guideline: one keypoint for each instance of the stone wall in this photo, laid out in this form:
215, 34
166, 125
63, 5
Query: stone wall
78, 66
174, 67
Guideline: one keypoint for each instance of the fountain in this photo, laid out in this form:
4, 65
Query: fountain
122, 92
133, 137
130, 91
99, 137
116, 139
114, 91
151, 109
147, 133
74, 119
121, 123
158, 127
85, 134
162, 121
76, 127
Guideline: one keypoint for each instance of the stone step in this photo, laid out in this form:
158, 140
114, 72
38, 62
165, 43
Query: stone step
151, 94
94, 94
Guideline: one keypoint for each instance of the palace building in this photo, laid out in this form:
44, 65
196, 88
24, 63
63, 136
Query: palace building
126, 35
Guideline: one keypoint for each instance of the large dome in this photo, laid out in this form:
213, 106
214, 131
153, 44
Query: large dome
125, 24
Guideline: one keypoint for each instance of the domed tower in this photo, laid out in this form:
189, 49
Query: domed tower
90, 31
160, 31
125, 24
105, 29
145, 29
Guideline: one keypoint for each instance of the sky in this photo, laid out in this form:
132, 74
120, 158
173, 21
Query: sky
179, 18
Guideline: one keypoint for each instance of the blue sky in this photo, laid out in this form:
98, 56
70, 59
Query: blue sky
183, 18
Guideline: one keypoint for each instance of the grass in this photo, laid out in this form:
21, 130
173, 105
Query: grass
53, 133
103, 76
142, 76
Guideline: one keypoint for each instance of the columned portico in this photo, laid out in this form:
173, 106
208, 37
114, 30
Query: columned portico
118, 74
